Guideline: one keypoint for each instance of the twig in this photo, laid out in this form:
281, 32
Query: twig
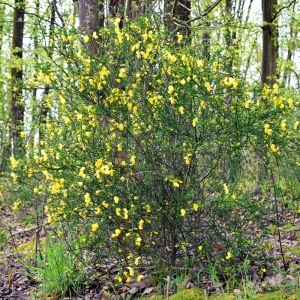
277, 218
168, 279
58, 13
203, 14
28, 13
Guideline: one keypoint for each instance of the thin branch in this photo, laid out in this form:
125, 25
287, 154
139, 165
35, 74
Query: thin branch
281, 9
29, 13
202, 15
205, 12
58, 13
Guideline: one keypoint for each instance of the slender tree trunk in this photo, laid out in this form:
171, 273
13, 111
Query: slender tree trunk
268, 68
17, 76
4, 130
270, 42
90, 21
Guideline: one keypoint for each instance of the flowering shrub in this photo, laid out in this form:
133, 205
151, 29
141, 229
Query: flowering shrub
148, 149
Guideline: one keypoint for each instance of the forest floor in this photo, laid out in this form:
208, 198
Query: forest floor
14, 284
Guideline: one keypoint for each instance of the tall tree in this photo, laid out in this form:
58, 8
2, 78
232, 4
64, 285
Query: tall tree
17, 74
270, 41
89, 19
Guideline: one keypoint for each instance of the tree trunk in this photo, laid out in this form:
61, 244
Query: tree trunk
17, 106
270, 42
177, 13
268, 69
90, 20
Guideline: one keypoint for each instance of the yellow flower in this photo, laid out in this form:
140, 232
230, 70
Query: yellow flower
247, 103
275, 88
13, 162
49, 218
283, 124
208, 87
122, 73
105, 204
187, 159
132, 160
180, 37
200, 248
141, 224
182, 212
226, 190
16, 205
116, 199
140, 278
195, 207
117, 233
95, 227
14, 176
195, 121
137, 261
274, 148
71, 19
181, 110
296, 125
118, 211
66, 120
229, 255
131, 271
118, 278
87, 199
170, 89
86, 39
268, 131
138, 241
233, 197
95, 36
290, 102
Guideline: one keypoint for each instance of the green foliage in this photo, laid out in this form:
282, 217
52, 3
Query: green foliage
146, 149
58, 271
3, 239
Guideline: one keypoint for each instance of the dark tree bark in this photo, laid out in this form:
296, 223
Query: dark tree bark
90, 20
270, 42
177, 14
17, 75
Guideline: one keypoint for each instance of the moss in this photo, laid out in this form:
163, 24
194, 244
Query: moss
278, 295
227, 296
30, 245
193, 294
190, 294
198, 294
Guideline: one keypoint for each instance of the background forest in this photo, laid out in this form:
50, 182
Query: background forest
149, 144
